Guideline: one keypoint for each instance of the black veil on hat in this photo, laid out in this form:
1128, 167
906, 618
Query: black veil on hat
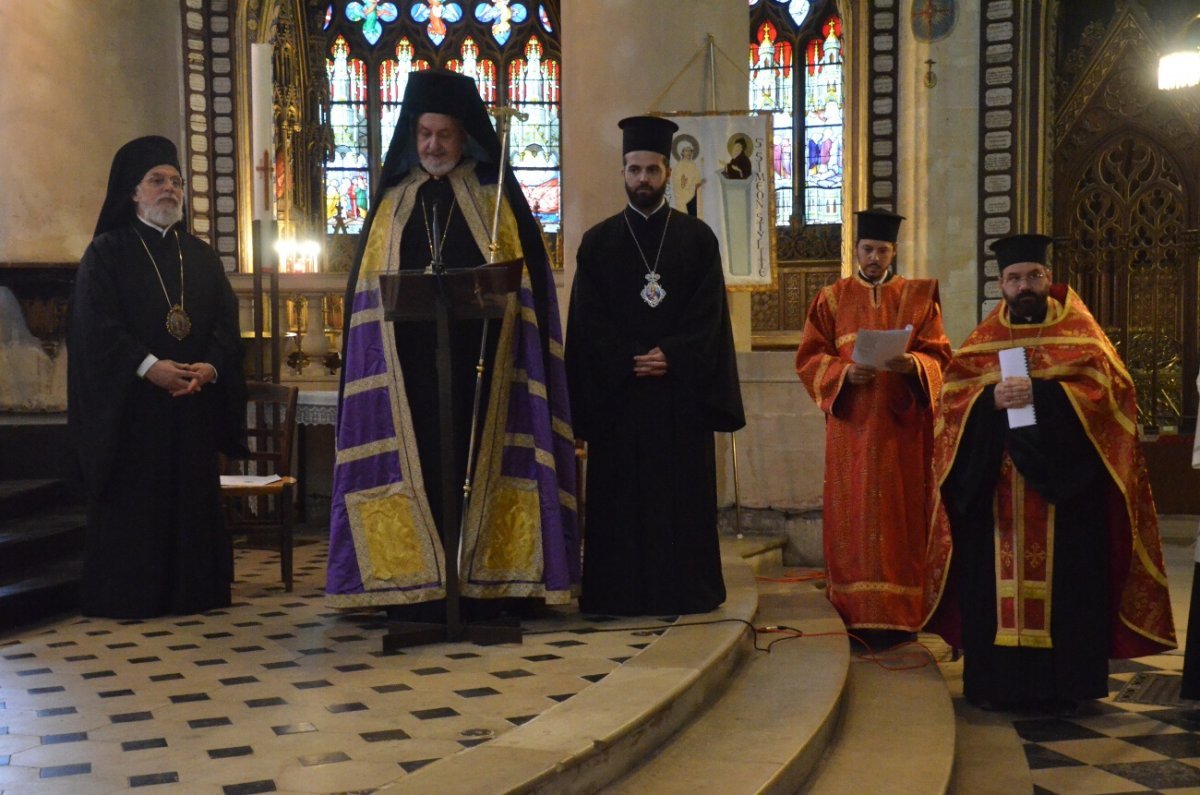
447, 93
878, 224
130, 165
453, 94
1021, 248
647, 134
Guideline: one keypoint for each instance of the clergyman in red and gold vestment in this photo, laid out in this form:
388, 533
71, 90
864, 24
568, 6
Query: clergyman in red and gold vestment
1044, 558
878, 434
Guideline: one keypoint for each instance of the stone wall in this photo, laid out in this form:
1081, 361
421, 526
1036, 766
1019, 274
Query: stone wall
78, 80
780, 458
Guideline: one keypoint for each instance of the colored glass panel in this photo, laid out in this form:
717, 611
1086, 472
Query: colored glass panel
481, 70
348, 121
502, 15
795, 69
771, 90
371, 13
436, 14
393, 79
823, 128
534, 87
491, 44
798, 9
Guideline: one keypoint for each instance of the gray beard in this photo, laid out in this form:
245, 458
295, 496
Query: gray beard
439, 170
165, 215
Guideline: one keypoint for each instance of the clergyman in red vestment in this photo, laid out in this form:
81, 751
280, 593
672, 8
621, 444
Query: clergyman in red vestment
1045, 558
878, 434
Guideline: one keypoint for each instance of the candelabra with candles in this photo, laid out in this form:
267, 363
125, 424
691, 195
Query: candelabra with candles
298, 256
331, 310
297, 317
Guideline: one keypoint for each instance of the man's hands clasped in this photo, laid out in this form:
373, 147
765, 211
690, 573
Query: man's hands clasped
180, 379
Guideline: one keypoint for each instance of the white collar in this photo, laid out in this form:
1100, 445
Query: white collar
652, 212
155, 226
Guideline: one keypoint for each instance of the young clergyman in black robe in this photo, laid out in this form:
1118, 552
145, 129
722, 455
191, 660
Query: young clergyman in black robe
652, 374
155, 391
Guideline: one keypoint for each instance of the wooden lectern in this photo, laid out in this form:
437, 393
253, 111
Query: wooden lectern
442, 295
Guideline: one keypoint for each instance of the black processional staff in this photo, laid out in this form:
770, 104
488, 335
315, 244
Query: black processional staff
503, 116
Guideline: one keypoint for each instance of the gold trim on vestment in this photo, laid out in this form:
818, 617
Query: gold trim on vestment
877, 587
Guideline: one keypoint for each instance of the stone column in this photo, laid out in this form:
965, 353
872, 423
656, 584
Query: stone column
620, 57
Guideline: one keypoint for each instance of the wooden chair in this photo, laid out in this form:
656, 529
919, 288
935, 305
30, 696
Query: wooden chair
253, 508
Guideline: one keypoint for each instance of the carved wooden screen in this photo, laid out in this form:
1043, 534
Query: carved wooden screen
1128, 256
807, 259
1126, 211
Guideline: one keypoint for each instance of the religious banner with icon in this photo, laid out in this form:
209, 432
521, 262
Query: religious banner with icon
721, 172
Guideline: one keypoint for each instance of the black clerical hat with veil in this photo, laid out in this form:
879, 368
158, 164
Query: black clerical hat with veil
452, 94
129, 167
1015, 249
447, 93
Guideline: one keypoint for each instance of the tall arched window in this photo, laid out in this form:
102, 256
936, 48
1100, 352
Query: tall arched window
796, 74
511, 50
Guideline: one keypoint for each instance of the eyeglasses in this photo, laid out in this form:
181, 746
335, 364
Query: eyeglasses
1032, 279
159, 181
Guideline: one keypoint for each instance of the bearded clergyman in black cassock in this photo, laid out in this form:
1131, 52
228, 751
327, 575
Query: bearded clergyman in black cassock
652, 374
155, 392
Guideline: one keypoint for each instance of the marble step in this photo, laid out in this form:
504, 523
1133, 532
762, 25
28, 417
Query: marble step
38, 593
41, 537
767, 731
897, 729
593, 738
21, 497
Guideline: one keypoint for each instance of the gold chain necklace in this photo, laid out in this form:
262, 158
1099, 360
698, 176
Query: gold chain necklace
179, 325
652, 293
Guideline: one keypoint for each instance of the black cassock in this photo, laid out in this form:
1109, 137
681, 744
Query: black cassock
156, 542
1057, 460
650, 544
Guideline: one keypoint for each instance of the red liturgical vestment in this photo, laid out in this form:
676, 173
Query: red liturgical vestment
878, 441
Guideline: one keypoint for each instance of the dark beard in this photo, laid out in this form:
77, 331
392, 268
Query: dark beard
1029, 306
646, 199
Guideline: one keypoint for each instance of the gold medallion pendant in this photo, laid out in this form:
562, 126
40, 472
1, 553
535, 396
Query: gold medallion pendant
179, 325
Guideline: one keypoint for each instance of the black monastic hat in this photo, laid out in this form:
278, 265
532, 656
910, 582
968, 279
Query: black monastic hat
1021, 248
129, 167
878, 224
647, 134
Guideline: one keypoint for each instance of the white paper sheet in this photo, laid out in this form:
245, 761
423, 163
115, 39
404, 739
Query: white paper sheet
875, 348
249, 480
1014, 365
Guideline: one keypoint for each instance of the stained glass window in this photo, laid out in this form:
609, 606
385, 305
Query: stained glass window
508, 47
796, 75
346, 172
533, 144
393, 79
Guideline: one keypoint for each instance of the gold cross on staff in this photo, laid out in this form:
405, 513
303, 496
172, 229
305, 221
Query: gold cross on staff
267, 172
503, 115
